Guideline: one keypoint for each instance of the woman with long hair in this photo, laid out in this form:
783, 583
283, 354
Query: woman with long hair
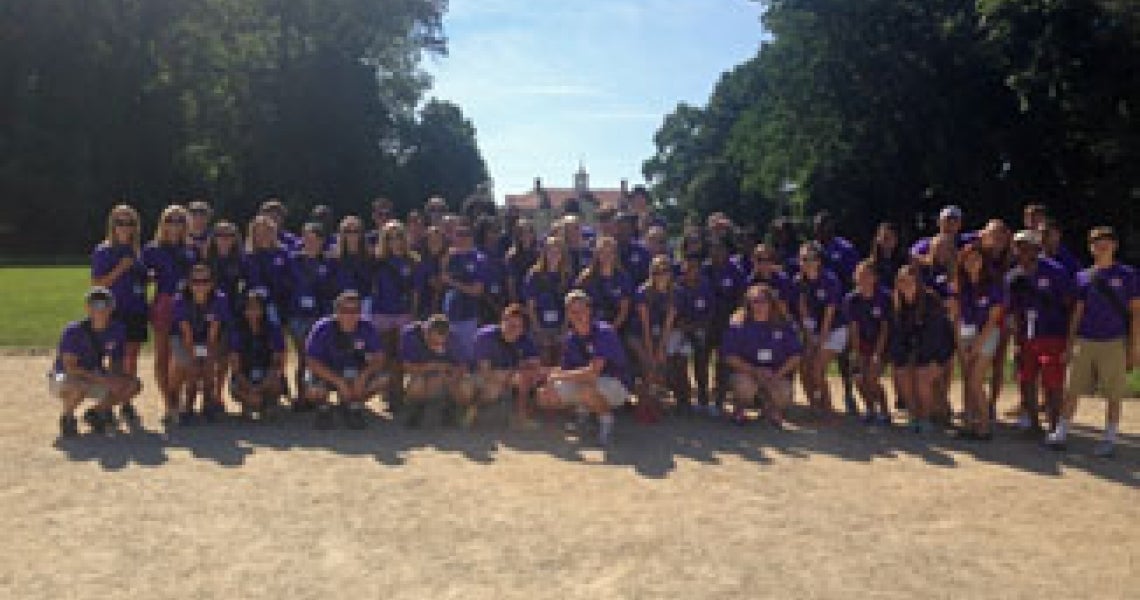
887, 253
167, 258
199, 315
257, 359
544, 288
694, 299
521, 256
997, 250
608, 285
116, 264
488, 240
266, 262
431, 273
868, 306
767, 269
824, 326
312, 285
763, 353
656, 313
223, 256
976, 309
354, 263
397, 292
919, 339
728, 283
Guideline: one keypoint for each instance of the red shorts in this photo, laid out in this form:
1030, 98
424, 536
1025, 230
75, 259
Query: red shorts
1041, 357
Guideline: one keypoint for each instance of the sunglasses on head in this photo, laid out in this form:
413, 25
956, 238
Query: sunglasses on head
125, 222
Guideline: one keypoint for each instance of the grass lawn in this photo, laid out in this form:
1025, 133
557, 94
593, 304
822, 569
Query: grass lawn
38, 301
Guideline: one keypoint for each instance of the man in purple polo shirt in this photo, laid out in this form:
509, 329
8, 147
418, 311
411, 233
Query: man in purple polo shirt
1104, 338
505, 361
949, 225
88, 364
594, 368
436, 371
465, 276
342, 354
1039, 294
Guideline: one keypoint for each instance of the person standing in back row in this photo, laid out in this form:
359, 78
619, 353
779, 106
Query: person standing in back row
1104, 338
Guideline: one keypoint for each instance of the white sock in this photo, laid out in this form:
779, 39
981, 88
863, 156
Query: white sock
1062, 428
607, 423
1110, 432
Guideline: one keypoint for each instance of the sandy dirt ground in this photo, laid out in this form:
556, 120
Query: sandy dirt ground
690, 509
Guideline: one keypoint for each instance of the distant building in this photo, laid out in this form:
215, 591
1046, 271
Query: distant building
545, 205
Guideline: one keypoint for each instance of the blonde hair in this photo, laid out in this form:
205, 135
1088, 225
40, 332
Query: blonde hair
124, 209
776, 313
362, 250
543, 266
169, 211
384, 243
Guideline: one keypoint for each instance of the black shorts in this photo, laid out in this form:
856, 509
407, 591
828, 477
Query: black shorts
134, 323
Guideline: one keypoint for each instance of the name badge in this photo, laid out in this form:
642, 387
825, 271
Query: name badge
201, 351
256, 375
470, 267
876, 312
406, 271
308, 302
634, 259
350, 373
835, 256
726, 282
279, 261
1043, 283
701, 303
656, 330
810, 324
550, 316
966, 330
821, 294
138, 289
764, 355
261, 291
983, 302
180, 284
1116, 282
1031, 314
322, 270
495, 289
271, 314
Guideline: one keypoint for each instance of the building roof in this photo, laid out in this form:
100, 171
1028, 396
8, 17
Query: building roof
610, 198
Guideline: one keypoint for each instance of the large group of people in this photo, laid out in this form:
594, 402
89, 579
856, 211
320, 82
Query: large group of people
453, 312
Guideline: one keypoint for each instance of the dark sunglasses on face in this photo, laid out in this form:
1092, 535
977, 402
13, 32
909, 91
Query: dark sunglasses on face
350, 231
199, 281
125, 223
349, 309
225, 235
175, 220
764, 259
758, 300
809, 258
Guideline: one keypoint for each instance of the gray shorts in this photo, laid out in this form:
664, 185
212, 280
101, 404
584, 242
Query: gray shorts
58, 383
315, 384
611, 388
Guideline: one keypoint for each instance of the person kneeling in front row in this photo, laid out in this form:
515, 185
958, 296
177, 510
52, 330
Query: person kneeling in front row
257, 359
506, 364
89, 364
435, 370
763, 351
594, 367
343, 355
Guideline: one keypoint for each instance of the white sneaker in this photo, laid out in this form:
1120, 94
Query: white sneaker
1054, 441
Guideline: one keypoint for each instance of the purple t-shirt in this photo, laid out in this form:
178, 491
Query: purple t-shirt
818, 294
89, 346
339, 350
256, 351
840, 257
658, 305
606, 293
169, 265
491, 347
1041, 299
216, 310
312, 285
602, 342
694, 303
466, 267
922, 246
414, 348
762, 344
976, 302
266, 272
547, 291
129, 289
635, 260
397, 279
870, 314
495, 275
1102, 320
354, 273
1068, 260
728, 283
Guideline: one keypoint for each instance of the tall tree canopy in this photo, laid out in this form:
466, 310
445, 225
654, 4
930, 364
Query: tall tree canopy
885, 109
150, 101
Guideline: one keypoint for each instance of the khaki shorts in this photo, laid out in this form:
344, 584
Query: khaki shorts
58, 383
778, 388
1098, 365
612, 389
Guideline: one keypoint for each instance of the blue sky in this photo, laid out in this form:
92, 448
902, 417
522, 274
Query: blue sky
550, 83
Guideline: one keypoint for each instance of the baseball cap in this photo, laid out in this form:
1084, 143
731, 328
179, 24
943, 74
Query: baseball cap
1028, 236
950, 212
1103, 232
99, 297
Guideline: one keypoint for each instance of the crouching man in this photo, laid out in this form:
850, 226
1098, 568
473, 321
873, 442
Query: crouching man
436, 372
506, 365
343, 354
594, 368
89, 364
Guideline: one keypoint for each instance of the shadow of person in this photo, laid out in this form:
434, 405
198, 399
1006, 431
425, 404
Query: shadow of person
115, 451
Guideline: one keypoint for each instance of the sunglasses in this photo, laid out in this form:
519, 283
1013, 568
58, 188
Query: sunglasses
125, 222
809, 258
100, 304
660, 271
199, 281
175, 220
763, 259
224, 235
758, 300
348, 231
350, 309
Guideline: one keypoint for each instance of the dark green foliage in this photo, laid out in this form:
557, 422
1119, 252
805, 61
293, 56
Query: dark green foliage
153, 101
886, 109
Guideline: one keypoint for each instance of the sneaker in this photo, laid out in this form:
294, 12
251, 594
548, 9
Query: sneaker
212, 412
415, 418
468, 418
186, 418
324, 419
68, 426
354, 418
868, 418
1104, 449
129, 415
605, 434
883, 419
